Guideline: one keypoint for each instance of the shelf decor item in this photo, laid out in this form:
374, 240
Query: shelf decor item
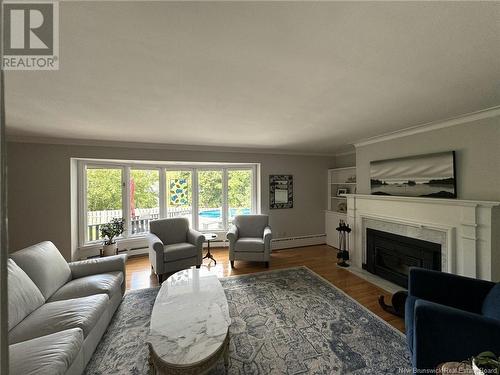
343, 251
341, 191
342, 207
109, 231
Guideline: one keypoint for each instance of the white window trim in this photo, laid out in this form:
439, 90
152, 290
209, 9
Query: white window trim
162, 168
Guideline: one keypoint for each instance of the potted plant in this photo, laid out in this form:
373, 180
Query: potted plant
109, 231
486, 363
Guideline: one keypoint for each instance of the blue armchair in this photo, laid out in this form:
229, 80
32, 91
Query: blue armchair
450, 317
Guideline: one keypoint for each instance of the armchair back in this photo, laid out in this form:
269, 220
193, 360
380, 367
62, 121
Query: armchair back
170, 231
251, 225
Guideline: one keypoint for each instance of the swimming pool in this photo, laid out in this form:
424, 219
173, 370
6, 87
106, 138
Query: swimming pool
216, 213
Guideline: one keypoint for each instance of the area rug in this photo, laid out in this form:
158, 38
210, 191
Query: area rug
288, 321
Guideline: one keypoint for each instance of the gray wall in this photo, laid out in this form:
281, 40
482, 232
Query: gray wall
477, 146
345, 160
39, 195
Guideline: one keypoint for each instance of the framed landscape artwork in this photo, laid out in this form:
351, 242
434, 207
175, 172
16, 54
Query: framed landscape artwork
431, 175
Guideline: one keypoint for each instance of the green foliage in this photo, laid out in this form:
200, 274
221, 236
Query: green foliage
239, 189
210, 189
111, 230
104, 188
146, 188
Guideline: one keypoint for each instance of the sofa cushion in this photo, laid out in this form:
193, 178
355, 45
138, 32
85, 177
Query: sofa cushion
249, 244
23, 295
491, 304
45, 265
251, 225
47, 355
103, 283
170, 231
179, 251
409, 320
60, 315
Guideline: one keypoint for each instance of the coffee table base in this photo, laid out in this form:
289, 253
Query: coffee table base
159, 367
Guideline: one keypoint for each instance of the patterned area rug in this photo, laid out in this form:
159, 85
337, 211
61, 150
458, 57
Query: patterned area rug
288, 321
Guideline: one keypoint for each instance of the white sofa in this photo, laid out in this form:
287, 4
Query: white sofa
58, 311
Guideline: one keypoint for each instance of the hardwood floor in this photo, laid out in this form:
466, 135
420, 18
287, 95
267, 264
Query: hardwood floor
320, 259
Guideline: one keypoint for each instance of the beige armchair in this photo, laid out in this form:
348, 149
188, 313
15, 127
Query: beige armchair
250, 239
173, 246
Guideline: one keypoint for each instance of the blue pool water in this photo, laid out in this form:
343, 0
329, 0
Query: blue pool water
216, 214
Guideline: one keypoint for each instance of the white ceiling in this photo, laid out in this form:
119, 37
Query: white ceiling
303, 77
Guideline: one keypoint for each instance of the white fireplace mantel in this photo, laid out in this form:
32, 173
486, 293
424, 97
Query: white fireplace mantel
468, 231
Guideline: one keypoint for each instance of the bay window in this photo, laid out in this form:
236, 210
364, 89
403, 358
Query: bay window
210, 200
144, 200
208, 195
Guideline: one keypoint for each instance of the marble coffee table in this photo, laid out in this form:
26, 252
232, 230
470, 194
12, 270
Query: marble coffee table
190, 322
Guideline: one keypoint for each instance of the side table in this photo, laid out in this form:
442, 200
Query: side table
209, 237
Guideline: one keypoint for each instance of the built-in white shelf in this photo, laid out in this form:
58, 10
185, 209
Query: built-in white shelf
344, 179
338, 178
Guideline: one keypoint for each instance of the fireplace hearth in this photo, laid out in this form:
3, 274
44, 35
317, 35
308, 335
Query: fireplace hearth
390, 255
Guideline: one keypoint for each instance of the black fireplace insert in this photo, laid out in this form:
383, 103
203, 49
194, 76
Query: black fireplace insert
390, 255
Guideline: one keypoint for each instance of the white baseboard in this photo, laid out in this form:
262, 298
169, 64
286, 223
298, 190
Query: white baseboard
138, 246
298, 241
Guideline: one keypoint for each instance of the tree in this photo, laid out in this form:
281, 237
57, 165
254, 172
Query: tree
104, 189
239, 194
210, 189
146, 186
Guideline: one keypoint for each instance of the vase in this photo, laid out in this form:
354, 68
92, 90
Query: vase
108, 250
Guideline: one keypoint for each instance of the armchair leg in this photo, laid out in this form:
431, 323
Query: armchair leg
198, 266
232, 264
160, 278
267, 264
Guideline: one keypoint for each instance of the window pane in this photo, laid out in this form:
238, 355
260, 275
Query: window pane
239, 193
179, 195
144, 199
210, 200
104, 199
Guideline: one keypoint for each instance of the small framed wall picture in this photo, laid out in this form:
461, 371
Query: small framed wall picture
342, 191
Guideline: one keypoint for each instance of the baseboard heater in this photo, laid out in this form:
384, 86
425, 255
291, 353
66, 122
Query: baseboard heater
298, 241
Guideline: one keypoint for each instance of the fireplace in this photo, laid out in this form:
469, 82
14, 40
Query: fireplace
390, 255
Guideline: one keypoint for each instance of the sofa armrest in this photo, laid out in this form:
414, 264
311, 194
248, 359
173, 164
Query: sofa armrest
268, 235
195, 238
95, 266
443, 333
447, 289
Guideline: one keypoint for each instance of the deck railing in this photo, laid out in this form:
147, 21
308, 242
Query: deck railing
139, 224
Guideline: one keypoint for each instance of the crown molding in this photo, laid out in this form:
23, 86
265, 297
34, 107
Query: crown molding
158, 146
423, 128
346, 153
